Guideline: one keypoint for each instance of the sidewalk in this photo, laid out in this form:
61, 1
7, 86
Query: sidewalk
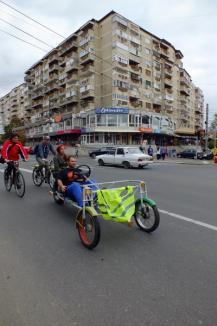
186, 161
83, 152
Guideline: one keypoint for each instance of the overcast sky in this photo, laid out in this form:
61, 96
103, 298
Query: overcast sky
190, 25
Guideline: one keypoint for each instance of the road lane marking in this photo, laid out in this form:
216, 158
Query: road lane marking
178, 216
190, 220
24, 170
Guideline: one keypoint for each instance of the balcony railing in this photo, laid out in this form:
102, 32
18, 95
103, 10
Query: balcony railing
67, 47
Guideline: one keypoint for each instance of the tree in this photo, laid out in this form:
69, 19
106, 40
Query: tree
9, 129
213, 125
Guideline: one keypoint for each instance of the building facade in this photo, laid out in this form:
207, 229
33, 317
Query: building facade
112, 82
14, 104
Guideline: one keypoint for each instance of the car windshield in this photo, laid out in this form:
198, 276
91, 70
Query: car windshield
134, 151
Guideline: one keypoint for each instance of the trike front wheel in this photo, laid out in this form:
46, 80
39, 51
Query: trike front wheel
88, 230
147, 217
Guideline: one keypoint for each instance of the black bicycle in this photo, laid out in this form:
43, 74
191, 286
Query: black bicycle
13, 176
40, 175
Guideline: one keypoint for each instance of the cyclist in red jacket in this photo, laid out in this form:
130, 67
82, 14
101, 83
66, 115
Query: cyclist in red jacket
12, 149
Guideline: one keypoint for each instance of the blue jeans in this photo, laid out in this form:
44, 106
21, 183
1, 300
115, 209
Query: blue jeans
75, 190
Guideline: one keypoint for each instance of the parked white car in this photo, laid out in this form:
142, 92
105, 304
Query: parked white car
125, 156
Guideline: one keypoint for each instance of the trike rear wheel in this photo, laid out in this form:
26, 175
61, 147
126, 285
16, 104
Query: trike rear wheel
146, 216
88, 230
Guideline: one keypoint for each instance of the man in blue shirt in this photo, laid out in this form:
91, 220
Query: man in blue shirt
42, 151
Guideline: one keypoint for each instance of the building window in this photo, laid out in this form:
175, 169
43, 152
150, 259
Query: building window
123, 120
112, 120
101, 120
148, 105
147, 84
147, 51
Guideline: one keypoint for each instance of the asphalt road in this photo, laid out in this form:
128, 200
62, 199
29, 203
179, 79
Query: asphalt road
166, 278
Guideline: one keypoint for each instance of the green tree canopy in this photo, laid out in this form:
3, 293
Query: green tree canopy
9, 129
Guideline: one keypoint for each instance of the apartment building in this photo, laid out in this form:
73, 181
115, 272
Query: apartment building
14, 104
112, 82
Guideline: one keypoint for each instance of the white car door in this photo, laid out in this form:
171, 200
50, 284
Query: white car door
119, 156
109, 158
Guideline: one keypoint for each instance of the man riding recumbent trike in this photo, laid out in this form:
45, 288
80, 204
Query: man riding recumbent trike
118, 201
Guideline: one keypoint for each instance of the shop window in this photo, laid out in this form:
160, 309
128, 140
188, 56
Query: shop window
101, 119
112, 120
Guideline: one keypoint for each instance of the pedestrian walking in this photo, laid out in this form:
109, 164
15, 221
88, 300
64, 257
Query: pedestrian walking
150, 151
163, 153
158, 153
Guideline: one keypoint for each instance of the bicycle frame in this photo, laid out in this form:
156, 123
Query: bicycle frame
139, 187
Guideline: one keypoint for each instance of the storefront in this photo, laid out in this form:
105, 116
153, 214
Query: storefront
122, 126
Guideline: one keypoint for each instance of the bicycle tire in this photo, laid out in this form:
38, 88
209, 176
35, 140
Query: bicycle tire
83, 230
20, 185
142, 219
7, 178
34, 177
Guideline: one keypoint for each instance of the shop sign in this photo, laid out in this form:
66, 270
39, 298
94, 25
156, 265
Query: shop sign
146, 130
112, 111
70, 131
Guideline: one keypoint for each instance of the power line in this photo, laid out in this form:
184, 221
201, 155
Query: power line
21, 20
21, 30
20, 39
34, 20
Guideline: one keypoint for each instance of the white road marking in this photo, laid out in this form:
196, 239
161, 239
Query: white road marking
181, 217
190, 220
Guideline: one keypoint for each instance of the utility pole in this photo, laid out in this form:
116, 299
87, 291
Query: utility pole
207, 127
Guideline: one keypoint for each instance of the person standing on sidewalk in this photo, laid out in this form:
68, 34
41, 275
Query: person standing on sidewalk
158, 153
163, 153
150, 151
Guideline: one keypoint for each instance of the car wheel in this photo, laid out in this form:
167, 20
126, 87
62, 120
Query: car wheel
101, 162
126, 165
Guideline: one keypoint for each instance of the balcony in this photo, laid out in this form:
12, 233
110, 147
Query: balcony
28, 79
135, 103
51, 88
157, 66
157, 100
69, 100
71, 65
68, 47
184, 90
169, 108
52, 58
71, 78
198, 110
135, 77
156, 54
136, 67
184, 117
62, 82
134, 94
87, 70
54, 68
54, 104
168, 98
87, 94
87, 58
37, 95
37, 104
52, 78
